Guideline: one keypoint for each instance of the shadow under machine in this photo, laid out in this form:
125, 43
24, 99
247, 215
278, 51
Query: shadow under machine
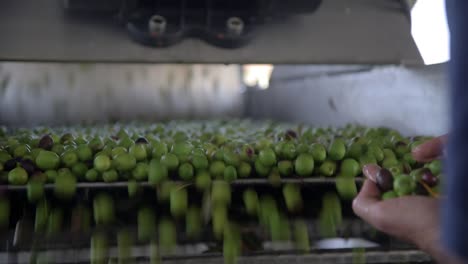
316, 43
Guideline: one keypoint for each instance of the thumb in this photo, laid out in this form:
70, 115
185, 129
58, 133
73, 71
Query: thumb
369, 196
366, 200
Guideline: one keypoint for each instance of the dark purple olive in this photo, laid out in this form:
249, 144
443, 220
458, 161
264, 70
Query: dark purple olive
249, 151
9, 165
46, 142
385, 180
290, 134
141, 140
28, 166
428, 178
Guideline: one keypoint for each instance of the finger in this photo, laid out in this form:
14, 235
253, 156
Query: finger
368, 197
370, 171
430, 150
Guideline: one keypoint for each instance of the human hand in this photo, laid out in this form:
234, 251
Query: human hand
430, 150
411, 218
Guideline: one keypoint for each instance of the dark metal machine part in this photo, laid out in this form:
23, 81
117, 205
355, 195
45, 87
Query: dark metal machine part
338, 32
227, 24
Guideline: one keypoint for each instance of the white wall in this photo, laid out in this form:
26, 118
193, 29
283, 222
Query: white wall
35, 93
412, 100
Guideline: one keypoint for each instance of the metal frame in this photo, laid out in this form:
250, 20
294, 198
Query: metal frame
244, 182
142, 256
340, 32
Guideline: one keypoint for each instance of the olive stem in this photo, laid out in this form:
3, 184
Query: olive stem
183, 186
429, 190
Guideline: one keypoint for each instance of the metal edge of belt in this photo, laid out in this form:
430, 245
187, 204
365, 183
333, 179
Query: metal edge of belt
124, 184
143, 254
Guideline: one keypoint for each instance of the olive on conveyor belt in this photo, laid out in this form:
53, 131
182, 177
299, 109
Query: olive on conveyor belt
46, 142
182, 150
199, 179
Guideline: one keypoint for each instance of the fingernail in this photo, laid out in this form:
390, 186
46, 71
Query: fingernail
370, 171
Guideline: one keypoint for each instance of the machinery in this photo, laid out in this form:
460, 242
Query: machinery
331, 58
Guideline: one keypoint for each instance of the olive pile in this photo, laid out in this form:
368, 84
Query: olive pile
181, 157
423, 181
195, 151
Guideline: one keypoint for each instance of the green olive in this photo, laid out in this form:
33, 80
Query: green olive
84, 152
47, 160
203, 180
193, 222
124, 162
178, 201
221, 193
261, 169
157, 172
140, 172
251, 203
346, 187
217, 169
138, 151
267, 157
350, 167
167, 235
328, 168
110, 176
292, 197
285, 168
230, 173
435, 167
337, 150
200, 162
244, 170
102, 163
403, 185
288, 151
69, 158
35, 190
389, 195
18, 176
304, 165
146, 223
65, 187
319, 152
186, 171
171, 161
